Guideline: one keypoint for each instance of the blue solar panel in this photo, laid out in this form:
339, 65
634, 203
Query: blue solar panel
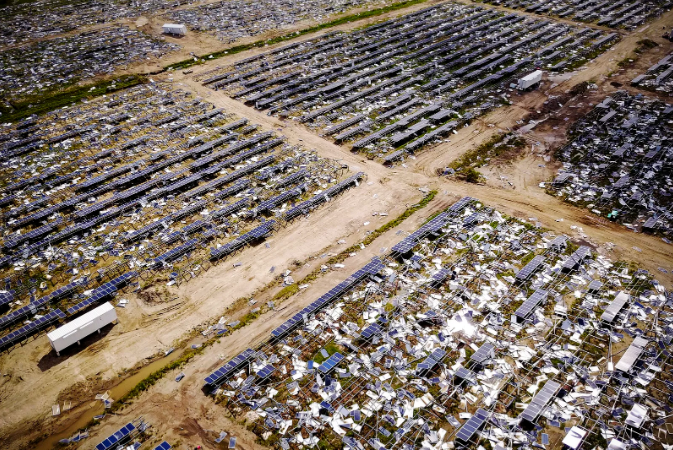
331, 362
370, 331
163, 446
30, 329
258, 233
266, 371
229, 368
117, 438
468, 430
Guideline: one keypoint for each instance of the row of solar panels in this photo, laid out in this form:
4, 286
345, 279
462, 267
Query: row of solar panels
370, 269
255, 234
230, 367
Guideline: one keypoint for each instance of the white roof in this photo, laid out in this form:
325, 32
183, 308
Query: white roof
173, 25
532, 75
574, 437
637, 415
80, 321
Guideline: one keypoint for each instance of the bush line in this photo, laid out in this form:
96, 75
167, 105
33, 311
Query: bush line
286, 37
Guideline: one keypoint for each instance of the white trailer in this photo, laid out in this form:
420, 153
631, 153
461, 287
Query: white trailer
76, 330
176, 29
529, 80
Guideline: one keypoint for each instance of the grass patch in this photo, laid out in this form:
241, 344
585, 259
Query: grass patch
286, 37
48, 101
157, 375
466, 166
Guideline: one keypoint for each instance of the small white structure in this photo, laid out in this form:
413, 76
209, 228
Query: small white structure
574, 437
175, 29
76, 330
637, 415
529, 80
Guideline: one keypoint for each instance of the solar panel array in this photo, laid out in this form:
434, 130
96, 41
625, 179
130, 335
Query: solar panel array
331, 362
31, 308
576, 258
531, 303
530, 268
30, 329
257, 233
370, 269
615, 307
432, 360
266, 371
230, 367
228, 210
540, 400
414, 238
99, 294
484, 353
324, 196
6, 297
470, 428
632, 354
174, 253
117, 438
371, 330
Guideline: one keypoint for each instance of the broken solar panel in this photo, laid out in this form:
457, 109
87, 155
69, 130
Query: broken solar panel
484, 353
370, 331
331, 362
118, 438
472, 426
266, 371
432, 360
574, 261
541, 399
229, 368
632, 354
531, 303
620, 300
529, 269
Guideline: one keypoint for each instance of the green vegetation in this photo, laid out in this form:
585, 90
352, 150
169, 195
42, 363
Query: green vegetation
466, 166
44, 102
263, 43
155, 376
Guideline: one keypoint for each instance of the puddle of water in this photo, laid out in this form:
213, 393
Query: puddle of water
96, 407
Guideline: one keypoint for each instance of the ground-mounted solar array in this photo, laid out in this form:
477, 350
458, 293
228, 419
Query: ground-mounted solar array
24, 21
657, 77
231, 20
615, 14
392, 88
51, 64
151, 180
391, 358
617, 163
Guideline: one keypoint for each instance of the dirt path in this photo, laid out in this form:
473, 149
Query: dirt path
181, 412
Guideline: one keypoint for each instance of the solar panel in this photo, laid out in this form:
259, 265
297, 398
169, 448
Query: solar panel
531, 303
266, 371
6, 297
30, 329
472, 426
117, 438
331, 362
620, 300
370, 331
577, 258
163, 446
230, 367
485, 352
632, 354
532, 266
540, 400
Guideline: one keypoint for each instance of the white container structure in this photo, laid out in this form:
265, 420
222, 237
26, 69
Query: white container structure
529, 80
175, 29
86, 324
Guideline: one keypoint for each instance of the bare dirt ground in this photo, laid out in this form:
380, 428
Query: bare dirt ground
180, 412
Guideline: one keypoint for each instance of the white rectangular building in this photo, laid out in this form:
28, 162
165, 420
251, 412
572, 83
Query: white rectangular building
177, 29
529, 80
86, 324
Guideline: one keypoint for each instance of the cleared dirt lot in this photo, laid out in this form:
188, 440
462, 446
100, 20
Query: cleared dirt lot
180, 412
